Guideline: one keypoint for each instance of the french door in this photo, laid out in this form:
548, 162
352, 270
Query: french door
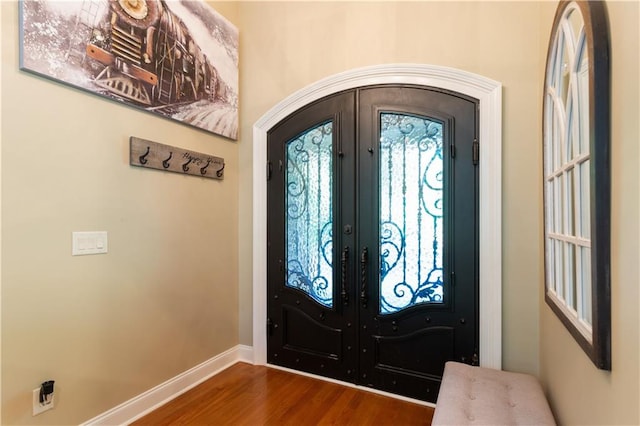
372, 233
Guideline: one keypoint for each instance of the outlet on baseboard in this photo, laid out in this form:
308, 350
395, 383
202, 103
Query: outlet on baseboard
39, 408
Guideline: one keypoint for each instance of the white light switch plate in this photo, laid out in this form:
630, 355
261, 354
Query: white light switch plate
89, 243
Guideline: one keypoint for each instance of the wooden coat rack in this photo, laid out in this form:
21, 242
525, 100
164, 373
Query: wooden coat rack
153, 155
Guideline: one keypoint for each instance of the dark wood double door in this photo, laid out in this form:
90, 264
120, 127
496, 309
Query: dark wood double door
372, 268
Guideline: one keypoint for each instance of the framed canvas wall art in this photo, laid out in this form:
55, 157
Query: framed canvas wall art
177, 59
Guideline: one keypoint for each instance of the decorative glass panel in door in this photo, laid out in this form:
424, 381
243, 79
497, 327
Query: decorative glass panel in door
411, 212
308, 222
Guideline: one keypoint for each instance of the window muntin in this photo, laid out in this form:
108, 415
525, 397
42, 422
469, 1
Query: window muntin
567, 158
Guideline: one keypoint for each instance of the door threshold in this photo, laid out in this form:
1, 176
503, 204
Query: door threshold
353, 386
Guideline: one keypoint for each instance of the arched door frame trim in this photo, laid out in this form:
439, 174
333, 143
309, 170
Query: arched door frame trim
489, 94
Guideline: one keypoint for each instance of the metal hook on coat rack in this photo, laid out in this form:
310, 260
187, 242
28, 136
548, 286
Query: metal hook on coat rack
185, 166
143, 157
203, 170
220, 171
166, 163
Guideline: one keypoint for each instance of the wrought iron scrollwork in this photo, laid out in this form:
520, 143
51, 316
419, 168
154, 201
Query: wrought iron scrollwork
411, 224
309, 224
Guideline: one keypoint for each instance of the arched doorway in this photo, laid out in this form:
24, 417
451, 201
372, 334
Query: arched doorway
489, 93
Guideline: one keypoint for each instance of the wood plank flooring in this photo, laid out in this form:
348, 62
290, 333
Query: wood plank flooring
245, 394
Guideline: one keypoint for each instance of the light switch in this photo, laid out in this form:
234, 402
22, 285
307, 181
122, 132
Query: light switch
89, 243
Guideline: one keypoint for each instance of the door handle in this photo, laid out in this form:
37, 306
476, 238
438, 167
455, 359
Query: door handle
344, 261
364, 258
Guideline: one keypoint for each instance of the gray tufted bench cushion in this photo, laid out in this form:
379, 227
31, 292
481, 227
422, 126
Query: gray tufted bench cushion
484, 396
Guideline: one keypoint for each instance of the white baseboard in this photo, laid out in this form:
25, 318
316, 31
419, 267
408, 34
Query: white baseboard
245, 354
148, 401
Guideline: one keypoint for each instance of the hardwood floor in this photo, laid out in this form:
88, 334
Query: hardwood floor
245, 394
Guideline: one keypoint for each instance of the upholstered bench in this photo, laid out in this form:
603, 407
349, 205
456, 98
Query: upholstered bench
484, 396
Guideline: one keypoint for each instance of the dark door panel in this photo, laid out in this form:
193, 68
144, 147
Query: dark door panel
310, 325
398, 353
407, 367
303, 334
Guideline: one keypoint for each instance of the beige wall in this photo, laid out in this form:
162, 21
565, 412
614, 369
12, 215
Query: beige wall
580, 393
289, 45
164, 299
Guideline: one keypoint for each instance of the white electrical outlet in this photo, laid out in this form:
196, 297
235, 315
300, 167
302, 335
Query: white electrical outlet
39, 408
